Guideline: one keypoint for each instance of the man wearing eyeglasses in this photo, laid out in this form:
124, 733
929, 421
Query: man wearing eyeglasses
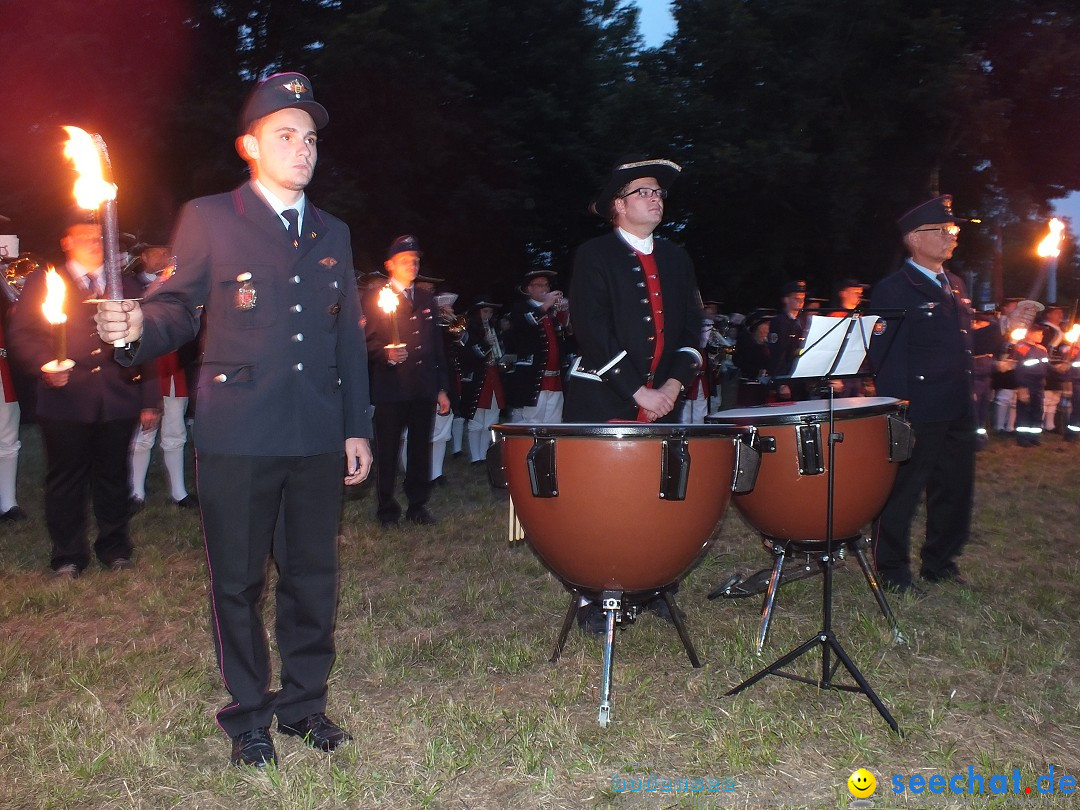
925, 357
637, 310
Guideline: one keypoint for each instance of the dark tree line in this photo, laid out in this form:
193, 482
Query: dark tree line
484, 126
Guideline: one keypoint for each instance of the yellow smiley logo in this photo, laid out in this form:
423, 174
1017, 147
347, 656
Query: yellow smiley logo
862, 784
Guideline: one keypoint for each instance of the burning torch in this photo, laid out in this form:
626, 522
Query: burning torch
93, 191
388, 303
1049, 249
53, 309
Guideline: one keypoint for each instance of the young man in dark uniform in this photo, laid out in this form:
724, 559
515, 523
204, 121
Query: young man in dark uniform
926, 358
283, 410
786, 332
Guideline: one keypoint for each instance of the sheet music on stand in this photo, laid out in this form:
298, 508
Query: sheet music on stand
834, 347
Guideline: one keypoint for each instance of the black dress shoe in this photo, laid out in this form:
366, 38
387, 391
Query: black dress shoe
318, 731
421, 516
253, 749
187, 502
951, 574
14, 514
135, 505
904, 588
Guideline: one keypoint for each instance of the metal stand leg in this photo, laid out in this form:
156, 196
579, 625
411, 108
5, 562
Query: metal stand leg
857, 546
568, 622
770, 596
612, 604
676, 620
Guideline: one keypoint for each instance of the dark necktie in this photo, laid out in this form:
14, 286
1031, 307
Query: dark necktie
293, 216
943, 280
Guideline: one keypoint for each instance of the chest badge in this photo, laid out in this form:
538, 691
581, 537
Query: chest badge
246, 294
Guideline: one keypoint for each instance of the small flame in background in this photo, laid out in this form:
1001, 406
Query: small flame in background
91, 189
388, 301
1050, 246
1073, 334
53, 308
1018, 334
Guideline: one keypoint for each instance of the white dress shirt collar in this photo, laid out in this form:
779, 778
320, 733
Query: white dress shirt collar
636, 242
275, 202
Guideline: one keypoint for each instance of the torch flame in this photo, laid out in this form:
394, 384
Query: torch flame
1050, 247
91, 189
1018, 334
388, 301
1073, 334
53, 308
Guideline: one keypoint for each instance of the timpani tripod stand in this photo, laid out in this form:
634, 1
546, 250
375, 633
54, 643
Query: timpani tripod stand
825, 638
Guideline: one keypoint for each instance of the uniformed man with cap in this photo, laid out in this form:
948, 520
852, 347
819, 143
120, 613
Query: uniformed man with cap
753, 356
87, 413
408, 382
637, 310
925, 357
538, 335
786, 332
283, 410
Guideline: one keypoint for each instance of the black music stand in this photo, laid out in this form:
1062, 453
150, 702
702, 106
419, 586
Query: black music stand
831, 349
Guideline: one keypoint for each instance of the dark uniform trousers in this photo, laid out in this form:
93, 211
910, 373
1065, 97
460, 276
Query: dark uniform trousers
86, 425
391, 418
306, 493
80, 453
942, 464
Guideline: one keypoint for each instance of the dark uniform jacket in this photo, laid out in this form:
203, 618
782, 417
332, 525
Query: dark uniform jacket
785, 340
98, 390
615, 332
527, 341
925, 357
475, 358
284, 370
424, 372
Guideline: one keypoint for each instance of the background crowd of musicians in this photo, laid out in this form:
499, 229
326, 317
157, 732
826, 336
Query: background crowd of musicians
506, 361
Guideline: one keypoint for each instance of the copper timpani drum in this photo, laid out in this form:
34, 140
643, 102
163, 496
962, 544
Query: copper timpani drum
790, 499
620, 512
627, 507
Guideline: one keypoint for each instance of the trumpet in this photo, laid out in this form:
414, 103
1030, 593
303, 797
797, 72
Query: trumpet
455, 325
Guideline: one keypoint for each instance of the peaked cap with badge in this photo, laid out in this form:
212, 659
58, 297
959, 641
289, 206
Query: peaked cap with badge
282, 91
932, 212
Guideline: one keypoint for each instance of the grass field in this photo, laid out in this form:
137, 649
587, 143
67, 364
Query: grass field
108, 684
